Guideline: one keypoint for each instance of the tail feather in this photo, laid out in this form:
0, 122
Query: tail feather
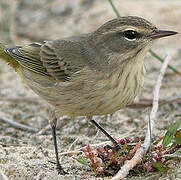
7, 58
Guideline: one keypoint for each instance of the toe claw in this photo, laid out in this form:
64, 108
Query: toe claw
117, 147
61, 170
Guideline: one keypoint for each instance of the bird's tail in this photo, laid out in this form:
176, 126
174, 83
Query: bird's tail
7, 58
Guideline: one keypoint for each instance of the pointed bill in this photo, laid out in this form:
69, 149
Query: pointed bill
162, 33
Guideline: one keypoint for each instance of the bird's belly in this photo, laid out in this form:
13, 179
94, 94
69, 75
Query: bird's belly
115, 99
97, 105
88, 97
103, 97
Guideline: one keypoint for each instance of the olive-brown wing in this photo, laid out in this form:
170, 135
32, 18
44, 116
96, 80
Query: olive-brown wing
43, 59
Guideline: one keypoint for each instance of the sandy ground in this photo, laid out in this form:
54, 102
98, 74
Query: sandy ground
24, 155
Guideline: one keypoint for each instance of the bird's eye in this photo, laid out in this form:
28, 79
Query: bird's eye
130, 34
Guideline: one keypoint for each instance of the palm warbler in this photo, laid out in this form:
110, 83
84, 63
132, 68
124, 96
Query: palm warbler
92, 74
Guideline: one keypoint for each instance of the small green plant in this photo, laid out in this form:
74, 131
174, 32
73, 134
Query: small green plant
107, 160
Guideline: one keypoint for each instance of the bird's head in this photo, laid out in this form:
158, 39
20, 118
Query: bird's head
127, 36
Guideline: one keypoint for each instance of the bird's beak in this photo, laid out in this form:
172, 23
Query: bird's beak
162, 33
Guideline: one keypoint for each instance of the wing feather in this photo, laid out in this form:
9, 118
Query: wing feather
48, 60
28, 56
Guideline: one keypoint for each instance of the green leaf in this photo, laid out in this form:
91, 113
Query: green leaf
170, 133
176, 154
159, 166
177, 140
83, 161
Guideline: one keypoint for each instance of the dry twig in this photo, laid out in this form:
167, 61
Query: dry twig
145, 103
43, 130
19, 126
123, 172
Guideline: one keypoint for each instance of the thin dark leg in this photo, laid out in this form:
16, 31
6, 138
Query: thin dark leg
59, 167
106, 133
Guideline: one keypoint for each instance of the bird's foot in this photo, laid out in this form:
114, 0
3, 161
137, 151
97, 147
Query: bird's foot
115, 148
59, 168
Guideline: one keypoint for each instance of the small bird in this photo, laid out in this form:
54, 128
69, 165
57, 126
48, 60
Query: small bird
92, 74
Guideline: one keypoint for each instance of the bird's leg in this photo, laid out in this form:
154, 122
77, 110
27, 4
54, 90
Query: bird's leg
116, 144
53, 126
